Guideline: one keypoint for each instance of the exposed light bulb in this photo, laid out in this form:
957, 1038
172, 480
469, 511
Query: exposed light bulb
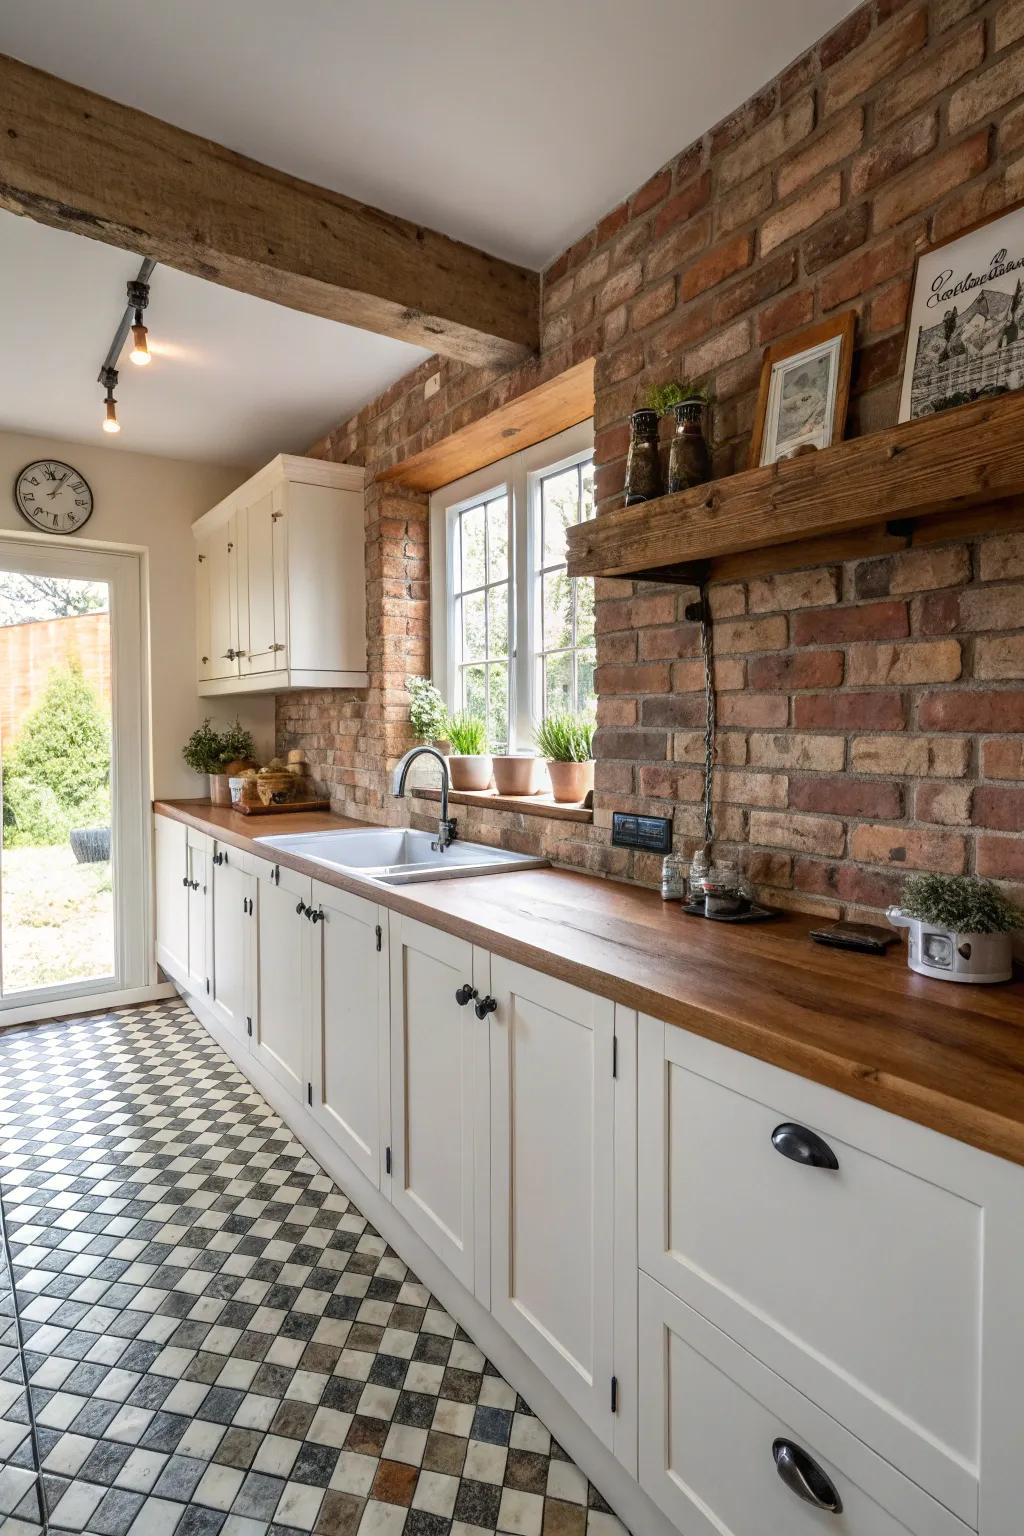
110, 421
139, 353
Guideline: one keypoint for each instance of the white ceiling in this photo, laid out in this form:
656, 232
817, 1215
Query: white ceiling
512, 124
233, 379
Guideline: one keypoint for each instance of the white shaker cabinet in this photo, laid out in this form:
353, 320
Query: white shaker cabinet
171, 875
552, 1181
439, 1050
280, 581
348, 1025
231, 906
198, 865
282, 939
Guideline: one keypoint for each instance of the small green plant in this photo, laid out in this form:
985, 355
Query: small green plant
664, 397
960, 904
209, 751
56, 774
566, 738
468, 735
428, 714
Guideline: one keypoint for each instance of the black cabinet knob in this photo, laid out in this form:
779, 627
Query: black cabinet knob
301, 907
802, 1476
465, 994
484, 1006
317, 916
184, 881
803, 1146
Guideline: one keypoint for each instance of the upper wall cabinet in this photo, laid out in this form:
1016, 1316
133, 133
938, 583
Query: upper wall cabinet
280, 582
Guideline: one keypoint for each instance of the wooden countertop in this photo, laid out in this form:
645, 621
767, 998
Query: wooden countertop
948, 1056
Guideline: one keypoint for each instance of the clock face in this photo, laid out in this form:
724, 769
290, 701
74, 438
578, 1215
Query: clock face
53, 497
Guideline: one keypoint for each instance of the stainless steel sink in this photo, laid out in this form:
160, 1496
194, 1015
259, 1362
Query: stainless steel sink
397, 857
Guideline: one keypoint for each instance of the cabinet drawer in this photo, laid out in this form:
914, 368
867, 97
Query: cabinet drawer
859, 1283
711, 1418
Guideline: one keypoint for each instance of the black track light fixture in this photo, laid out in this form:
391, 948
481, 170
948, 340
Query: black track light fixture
108, 378
138, 298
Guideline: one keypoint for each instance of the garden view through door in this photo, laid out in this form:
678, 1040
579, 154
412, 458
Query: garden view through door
56, 875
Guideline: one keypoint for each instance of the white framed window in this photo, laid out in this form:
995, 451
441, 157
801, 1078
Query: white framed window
512, 633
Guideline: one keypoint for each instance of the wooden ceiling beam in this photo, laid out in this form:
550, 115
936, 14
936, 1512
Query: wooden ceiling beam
78, 161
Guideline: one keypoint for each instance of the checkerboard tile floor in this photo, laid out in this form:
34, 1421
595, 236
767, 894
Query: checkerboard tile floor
217, 1343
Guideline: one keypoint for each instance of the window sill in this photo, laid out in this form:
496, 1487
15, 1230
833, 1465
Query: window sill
529, 805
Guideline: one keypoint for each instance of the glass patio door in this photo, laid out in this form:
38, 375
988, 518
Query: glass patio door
73, 876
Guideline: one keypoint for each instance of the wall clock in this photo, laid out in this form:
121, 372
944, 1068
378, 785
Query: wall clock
53, 497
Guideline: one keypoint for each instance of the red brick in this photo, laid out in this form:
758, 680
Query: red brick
767, 279
911, 755
869, 621
924, 84
999, 807
786, 314
993, 607
807, 834
891, 47
650, 193
716, 265
724, 347
962, 709
936, 661
858, 274
665, 782
729, 672
836, 238
947, 804
789, 749
890, 308
754, 709
673, 713
939, 852
915, 570
690, 325
805, 669
634, 746
844, 38
790, 126
887, 157
749, 200
751, 635
1003, 759
653, 305
742, 788
1008, 24
937, 613
802, 213
794, 589
677, 249
683, 204
770, 868
1002, 557
986, 94
612, 223
840, 139
622, 285
849, 882
846, 797
931, 182
632, 679
1000, 858
999, 657
850, 711
637, 612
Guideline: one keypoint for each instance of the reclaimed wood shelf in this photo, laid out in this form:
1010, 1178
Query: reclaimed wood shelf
970, 456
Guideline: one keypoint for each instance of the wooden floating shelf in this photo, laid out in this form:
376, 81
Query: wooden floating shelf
967, 457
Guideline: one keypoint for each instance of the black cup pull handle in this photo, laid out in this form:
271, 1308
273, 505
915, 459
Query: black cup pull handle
803, 1146
484, 1006
465, 994
802, 1476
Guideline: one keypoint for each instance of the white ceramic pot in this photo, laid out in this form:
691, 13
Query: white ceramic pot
470, 772
933, 951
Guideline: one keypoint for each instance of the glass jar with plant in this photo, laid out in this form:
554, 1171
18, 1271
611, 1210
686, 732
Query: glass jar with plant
211, 752
958, 928
428, 713
469, 762
689, 462
567, 741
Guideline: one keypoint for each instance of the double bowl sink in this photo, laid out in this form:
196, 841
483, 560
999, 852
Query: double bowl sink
394, 856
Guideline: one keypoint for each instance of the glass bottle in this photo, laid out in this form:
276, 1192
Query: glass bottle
643, 465
673, 877
689, 462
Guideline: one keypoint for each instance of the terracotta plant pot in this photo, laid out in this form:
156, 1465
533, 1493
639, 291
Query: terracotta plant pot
470, 772
517, 774
571, 782
220, 790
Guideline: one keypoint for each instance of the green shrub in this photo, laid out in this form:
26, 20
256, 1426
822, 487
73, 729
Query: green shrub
428, 715
56, 774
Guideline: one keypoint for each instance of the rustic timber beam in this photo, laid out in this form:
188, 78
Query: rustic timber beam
80, 162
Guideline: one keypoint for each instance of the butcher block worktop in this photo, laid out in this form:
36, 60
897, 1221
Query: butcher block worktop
950, 1057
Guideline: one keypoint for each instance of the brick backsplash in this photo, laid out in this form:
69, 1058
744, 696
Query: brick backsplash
870, 710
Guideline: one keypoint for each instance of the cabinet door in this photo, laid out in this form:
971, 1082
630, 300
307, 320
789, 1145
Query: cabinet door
553, 1181
349, 1024
282, 949
198, 861
204, 644
171, 861
231, 891
438, 1089
261, 588
219, 559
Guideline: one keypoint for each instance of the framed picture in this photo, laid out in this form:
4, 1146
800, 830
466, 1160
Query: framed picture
965, 335
805, 388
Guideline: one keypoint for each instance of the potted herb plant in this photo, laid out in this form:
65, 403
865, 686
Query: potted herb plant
469, 762
212, 752
567, 741
689, 462
958, 928
428, 713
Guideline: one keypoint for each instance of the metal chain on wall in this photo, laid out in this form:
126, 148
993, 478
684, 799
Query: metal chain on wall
707, 654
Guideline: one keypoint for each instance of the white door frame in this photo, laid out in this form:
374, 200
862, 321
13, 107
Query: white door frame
134, 965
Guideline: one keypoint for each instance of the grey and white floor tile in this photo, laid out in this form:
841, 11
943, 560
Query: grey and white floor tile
217, 1342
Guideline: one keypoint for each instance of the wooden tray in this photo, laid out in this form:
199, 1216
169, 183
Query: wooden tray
286, 805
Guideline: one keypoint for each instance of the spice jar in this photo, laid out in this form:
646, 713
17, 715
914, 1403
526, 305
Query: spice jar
673, 877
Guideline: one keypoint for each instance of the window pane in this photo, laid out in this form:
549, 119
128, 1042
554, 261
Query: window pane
584, 610
559, 495
473, 573
497, 620
474, 701
587, 505
497, 539
557, 611
558, 683
474, 641
586, 698
497, 712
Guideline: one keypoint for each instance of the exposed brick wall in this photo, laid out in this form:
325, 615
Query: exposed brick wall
870, 708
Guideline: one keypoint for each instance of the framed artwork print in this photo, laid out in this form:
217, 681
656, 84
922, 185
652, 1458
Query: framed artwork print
965, 335
805, 389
